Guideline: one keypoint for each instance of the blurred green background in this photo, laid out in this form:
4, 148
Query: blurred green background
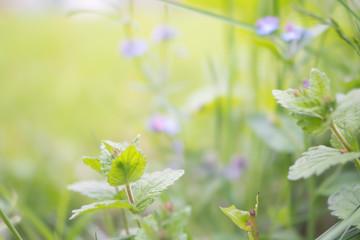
64, 87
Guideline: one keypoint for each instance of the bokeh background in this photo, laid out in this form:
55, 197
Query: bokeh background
65, 86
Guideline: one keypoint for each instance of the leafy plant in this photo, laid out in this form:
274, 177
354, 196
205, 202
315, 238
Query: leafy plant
126, 186
316, 110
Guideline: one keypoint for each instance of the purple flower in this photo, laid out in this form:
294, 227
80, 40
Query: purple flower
160, 123
163, 32
292, 32
234, 169
306, 83
132, 48
267, 25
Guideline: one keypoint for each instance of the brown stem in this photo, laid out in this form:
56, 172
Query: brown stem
129, 194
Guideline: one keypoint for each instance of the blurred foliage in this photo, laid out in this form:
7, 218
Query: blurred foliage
64, 87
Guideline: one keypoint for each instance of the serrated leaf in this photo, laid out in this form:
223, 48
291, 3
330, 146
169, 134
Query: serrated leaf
94, 163
344, 202
347, 119
168, 226
106, 155
311, 125
136, 141
319, 85
297, 104
310, 107
242, 219
103, 205
109, 146
128, 167
151, 185
272, 135
318, 159
95, 189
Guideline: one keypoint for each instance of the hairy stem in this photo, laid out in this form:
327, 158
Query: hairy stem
343, 141
129, 194
9, 225
131, 199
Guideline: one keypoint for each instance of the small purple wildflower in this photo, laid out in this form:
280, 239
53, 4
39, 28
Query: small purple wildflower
234, 169
163, 32
306, 83
267, 25
292, 32
160, 123
132, 48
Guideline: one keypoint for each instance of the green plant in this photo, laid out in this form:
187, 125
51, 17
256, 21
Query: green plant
316, 110
246, 220
126, 186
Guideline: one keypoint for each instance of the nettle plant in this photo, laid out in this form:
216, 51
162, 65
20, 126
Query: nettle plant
316, 110
128, 188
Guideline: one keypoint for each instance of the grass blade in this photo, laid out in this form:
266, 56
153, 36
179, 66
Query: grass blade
9, 225
242, 25
349, 10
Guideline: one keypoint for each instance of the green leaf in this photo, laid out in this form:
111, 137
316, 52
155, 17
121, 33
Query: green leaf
109, 146
319, 85
94, 163
312, 106
239, 217
318, 159
311, 125
271, 134
107, 155
103, 205
95, 189
344, 202
300, 104
151, 185
242, 219
128, 167
347, 119
165, 225
345, 205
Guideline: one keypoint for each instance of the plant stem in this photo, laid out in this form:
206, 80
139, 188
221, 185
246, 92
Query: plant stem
242, 25
343, 141
123, 216
10, 225
231, 55
311, 217
349, 10
129, 194
254, 229
131, 199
